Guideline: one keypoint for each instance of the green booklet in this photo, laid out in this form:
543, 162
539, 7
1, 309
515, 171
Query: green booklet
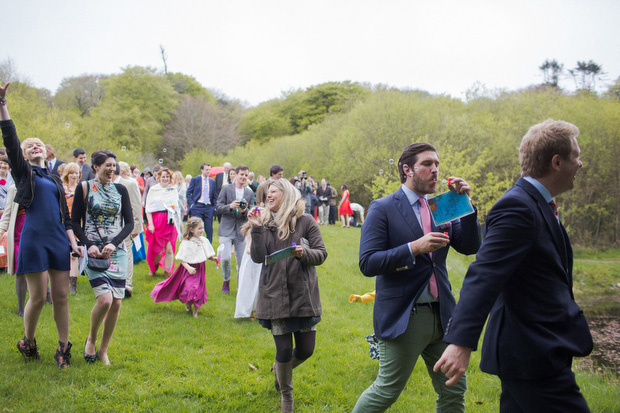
280, 255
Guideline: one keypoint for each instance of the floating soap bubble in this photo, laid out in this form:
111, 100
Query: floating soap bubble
380, 171
68, 125
165, 150
391, 161
161, 161
123, 148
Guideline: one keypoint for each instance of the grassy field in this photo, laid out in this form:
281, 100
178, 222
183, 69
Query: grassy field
165, 360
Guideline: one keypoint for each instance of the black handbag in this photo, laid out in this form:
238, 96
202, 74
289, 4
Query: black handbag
98, 264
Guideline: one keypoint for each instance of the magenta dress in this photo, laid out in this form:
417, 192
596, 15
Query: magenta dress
164, 233
183, 286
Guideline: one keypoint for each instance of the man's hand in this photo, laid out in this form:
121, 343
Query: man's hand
234, 205
429, 243
459, 185
453, 363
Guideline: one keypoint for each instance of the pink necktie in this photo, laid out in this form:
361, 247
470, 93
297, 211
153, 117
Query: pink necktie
425, 217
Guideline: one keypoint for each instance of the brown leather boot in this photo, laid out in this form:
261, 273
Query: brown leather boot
284, 373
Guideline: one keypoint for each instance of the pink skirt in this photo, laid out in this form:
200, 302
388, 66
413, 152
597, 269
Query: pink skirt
183, 286
164, 233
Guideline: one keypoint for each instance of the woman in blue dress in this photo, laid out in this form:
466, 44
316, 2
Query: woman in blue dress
47, 237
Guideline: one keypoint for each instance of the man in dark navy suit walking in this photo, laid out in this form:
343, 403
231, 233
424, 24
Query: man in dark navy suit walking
523, 276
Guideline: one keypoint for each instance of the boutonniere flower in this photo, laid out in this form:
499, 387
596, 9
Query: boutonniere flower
2, 181
446, 225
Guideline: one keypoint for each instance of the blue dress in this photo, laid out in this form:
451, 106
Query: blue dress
44, 244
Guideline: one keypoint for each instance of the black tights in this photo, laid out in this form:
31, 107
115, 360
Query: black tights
304, 346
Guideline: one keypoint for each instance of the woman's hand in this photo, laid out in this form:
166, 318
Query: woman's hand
298, 251
3, 90
108, 250
151, 228
191, 270
93, 251
79, 251
254, 216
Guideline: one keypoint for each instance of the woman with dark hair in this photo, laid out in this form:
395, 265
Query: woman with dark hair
102, 219
46, 239
288, 294
344, 209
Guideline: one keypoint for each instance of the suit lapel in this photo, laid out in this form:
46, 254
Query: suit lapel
556, 229
402, 205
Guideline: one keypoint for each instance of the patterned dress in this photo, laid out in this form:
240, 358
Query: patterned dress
104, 222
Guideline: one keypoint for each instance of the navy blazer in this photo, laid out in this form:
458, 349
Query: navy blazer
194, 191
523, 276
384, 252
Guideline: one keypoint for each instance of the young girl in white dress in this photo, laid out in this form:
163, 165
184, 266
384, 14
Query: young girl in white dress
188, 283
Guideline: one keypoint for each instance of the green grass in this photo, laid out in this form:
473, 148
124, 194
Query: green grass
165, 360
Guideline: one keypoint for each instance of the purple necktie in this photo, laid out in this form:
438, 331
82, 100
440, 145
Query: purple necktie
425, 217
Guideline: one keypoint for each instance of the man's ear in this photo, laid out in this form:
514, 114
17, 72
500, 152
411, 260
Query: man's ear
556, 162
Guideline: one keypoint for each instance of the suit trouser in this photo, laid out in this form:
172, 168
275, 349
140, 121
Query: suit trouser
397, 358
204, 212
332, 214
559, 393
323, 213
227, 255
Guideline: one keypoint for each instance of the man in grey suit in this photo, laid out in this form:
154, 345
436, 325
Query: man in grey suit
79, 156
233, 204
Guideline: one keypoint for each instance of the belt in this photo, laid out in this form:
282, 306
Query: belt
434, 305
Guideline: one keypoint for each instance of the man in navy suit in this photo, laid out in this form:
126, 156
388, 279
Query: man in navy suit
523, 277
202, 198
406, 252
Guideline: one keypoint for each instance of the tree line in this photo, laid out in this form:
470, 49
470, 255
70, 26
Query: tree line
345, 132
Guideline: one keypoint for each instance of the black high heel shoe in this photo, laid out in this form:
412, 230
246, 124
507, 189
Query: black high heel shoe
90, 358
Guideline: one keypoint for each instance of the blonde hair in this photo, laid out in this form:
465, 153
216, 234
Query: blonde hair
177, 178
191, 224
542, 142
124, 167
31, 141
69, 168
291, 208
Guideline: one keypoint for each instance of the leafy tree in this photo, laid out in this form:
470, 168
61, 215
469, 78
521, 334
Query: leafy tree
136, 105
188, 85
614, 90
80, 93
585, 75
264, 122
199, 124
552, 70
311, 106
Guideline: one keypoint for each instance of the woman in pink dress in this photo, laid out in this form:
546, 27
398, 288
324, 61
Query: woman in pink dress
344, 209
188, 283
163, 213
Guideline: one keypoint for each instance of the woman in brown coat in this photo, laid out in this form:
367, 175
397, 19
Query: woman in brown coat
288, 293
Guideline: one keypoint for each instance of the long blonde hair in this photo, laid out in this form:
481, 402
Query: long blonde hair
291, 208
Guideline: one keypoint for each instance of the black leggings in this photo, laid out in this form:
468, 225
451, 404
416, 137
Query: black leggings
304, 346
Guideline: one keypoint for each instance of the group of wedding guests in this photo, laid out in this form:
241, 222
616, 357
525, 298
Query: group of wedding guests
55, 222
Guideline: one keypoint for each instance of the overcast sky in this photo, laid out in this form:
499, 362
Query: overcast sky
253, 50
